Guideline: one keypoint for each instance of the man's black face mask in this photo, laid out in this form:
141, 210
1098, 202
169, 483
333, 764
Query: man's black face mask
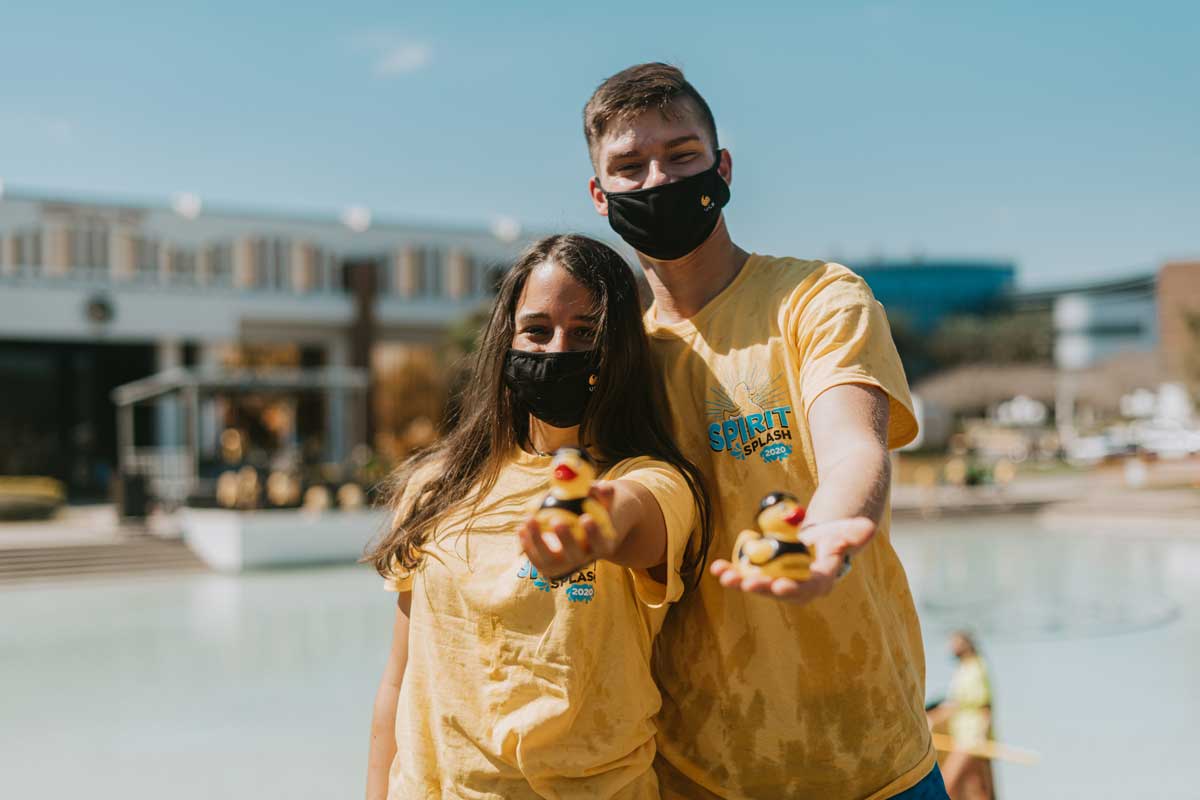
555, 387
669, 221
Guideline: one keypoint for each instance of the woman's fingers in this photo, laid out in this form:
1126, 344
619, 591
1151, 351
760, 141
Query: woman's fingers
596, 541
557, 553
602, 492
572, 554
534, 545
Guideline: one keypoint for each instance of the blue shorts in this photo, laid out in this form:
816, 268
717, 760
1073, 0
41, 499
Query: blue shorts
931, 787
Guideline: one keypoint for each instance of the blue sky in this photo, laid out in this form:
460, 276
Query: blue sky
1066, 138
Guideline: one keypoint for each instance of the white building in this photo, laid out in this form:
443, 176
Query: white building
1095, 322
94, 294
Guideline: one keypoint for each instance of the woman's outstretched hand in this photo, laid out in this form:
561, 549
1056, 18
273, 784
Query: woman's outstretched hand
556, 553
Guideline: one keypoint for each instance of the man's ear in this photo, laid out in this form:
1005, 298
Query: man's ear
725, 169
599, 201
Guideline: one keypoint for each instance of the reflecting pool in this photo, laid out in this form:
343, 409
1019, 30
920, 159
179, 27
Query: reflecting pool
260, 686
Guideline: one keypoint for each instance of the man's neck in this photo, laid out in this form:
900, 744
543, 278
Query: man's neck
684, 286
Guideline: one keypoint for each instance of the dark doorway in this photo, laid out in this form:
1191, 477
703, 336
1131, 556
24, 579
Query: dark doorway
56, 414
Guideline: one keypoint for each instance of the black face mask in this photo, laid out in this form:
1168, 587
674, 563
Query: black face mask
555, 387
669, 221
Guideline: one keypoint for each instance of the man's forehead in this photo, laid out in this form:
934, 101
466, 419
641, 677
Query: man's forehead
651, 129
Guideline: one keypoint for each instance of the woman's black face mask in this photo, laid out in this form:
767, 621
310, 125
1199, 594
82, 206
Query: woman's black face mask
555, 387
669, 221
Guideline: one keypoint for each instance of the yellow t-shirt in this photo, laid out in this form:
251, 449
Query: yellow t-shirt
760, 698
971, 693
517, 686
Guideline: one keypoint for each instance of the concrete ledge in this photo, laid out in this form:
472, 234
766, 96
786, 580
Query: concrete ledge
233, 541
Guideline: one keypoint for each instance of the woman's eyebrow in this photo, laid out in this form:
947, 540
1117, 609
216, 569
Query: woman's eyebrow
532, 316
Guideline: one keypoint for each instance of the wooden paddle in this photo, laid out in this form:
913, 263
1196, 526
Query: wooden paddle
988, 749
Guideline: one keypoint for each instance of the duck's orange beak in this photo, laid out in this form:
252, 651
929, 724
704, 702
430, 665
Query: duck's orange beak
564, 473
796, 517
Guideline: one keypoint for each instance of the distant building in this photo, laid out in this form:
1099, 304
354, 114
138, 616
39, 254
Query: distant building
1179, 318
924, 293
95, 294
1095, 321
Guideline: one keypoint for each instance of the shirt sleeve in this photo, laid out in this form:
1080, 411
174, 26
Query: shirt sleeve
843, 337
678, 508
398, 578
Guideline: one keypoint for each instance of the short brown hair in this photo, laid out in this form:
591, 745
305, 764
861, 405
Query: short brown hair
636, 90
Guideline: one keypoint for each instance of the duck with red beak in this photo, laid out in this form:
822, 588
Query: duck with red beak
572, 473
775, 549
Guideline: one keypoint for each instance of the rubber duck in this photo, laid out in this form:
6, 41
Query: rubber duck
572, 472
775, 549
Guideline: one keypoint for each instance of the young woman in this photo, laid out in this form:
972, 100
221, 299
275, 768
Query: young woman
520, 661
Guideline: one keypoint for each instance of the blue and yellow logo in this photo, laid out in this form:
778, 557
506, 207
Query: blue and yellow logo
753, 418
581, 586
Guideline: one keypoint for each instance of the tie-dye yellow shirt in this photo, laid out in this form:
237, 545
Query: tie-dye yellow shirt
762, 699
520, 686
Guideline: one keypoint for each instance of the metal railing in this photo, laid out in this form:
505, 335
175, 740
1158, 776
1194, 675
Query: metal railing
169, 471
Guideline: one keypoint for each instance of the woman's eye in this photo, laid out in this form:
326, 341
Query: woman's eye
585, 333
534, 331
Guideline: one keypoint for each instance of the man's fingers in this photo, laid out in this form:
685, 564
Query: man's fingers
801, 592
720, 566
731, 580
757, 584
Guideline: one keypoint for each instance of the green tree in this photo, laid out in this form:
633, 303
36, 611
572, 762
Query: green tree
1008, 338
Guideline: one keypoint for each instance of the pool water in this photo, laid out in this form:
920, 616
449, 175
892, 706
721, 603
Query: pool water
260, 686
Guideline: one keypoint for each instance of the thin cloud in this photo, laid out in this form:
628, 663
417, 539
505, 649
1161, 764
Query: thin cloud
404, 58
394, 55
60, 130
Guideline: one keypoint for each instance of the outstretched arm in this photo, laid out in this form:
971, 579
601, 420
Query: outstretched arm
848, 425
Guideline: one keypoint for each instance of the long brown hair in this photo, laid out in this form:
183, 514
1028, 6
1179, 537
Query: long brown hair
625, 415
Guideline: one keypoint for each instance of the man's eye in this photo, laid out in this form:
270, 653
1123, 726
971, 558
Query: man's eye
626, 169
683, 157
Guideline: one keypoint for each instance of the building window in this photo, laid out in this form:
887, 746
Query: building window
183, 267
331, 272
271, 261
89, 246
27, 251
146, 259
220, 264
491, 278
421, 258
434, 280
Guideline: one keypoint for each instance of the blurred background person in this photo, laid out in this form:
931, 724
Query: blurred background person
966, 715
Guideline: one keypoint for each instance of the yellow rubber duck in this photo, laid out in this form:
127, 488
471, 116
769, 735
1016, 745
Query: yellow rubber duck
572, 473
775, 549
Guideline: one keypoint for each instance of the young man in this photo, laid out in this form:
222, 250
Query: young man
781, 375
